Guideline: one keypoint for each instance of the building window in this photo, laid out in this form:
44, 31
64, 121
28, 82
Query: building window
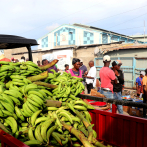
130, 41
64, 36
44, 42
88, 38
122, 39
114, 38
104, 38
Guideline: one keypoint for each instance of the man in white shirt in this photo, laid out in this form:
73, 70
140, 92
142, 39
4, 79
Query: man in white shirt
91, 77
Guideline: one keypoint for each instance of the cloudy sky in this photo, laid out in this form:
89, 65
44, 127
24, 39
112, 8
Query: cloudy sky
35, 18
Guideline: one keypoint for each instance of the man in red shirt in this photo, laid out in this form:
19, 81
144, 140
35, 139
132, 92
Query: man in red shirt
107, 77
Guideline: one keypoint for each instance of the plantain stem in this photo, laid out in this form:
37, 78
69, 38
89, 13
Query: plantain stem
78, 134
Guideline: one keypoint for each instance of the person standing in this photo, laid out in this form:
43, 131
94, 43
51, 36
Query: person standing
117, 86
144, 84
75, 71
90, 77
23, 58
98, 85
38, 63
66, 67
139, 84
12, 59
107, 78
45, 62
27, 59
84, 69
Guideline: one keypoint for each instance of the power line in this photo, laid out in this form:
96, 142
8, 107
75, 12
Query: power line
129, 28
60, 18
128, 20
82, 10
117, 14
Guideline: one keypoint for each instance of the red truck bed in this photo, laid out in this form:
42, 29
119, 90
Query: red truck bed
114, 129
120, 130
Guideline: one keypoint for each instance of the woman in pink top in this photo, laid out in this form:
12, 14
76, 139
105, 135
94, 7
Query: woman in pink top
75, 71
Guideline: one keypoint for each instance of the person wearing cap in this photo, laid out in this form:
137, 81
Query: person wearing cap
139, 84
107, 78
12, 59
117, 86
90, 77
84, 69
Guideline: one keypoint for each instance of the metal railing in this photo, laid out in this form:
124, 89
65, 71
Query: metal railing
117, 102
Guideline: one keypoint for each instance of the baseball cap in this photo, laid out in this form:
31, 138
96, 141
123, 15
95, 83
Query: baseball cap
119, 62
12, 58
114, 63
142, 73
106, 58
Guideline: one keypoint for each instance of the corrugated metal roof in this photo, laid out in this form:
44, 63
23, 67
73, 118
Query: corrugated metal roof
103, 30
121, 46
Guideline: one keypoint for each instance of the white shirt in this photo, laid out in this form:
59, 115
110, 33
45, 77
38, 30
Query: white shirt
21, 60
91, 73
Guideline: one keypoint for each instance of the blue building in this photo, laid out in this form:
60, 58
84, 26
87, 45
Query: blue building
78, 34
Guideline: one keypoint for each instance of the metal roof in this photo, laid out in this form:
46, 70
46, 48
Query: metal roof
105, 49
95, 28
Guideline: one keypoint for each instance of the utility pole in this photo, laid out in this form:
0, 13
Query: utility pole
144, 31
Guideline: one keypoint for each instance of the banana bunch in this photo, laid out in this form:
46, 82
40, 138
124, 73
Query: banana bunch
24, 69
68, 86
29, 68
25, 115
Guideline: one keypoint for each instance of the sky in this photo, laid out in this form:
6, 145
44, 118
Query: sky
35, 18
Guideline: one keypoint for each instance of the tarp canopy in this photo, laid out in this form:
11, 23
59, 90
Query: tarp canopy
11, 41
5, 59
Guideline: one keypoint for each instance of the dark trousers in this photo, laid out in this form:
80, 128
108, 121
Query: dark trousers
89, 87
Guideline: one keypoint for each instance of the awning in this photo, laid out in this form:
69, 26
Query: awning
11, 41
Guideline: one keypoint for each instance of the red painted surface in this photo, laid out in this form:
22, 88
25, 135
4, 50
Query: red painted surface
115, 129
9, 141
120, 130
114, 108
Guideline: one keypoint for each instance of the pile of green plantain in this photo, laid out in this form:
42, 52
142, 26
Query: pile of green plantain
43, 109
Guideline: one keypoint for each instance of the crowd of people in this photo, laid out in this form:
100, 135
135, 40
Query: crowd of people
111, 78
23, 59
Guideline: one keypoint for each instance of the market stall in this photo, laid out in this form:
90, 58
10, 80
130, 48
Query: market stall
45, 109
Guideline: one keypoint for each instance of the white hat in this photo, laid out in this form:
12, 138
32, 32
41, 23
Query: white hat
81, 60
142, 73
106, 58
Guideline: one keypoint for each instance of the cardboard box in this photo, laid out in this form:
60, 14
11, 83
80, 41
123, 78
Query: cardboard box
135, 112
126, 108
95, 93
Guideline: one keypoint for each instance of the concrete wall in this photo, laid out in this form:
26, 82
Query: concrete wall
86, 54
8, 53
